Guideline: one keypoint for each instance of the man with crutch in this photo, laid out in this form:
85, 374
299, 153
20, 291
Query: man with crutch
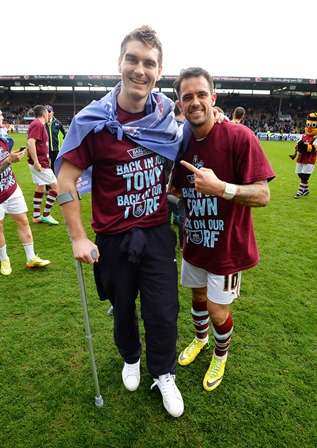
125, 138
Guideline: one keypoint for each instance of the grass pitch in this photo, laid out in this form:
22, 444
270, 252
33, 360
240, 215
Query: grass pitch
267, 396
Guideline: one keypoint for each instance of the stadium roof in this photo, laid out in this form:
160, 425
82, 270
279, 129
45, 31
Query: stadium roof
274, 85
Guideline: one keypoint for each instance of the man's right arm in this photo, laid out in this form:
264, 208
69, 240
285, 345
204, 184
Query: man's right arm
82, 246
33, 154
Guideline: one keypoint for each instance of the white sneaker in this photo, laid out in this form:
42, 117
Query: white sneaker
172, 398
131, 375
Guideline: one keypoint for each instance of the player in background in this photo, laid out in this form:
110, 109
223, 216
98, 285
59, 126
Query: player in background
12, 203
39, 164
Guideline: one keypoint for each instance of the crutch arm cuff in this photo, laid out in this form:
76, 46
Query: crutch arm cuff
64, 198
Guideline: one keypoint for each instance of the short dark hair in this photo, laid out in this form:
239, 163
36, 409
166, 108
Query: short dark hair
239, 112
192, 72
39, 110
147, 36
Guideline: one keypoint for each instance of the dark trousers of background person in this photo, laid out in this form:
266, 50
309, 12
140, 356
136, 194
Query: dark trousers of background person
53, 155
142, 261
176, 215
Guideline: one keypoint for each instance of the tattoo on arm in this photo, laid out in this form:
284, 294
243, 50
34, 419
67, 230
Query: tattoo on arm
253, 195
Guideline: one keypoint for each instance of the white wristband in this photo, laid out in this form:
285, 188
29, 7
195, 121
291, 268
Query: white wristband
230, 191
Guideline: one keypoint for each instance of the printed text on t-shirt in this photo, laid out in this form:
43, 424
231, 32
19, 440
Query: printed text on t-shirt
202, 226
143, 180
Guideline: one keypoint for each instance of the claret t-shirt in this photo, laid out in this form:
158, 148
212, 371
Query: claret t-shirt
38, 131
128, 181
219, 234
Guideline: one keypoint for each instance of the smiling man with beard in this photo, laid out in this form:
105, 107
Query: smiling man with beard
224, 173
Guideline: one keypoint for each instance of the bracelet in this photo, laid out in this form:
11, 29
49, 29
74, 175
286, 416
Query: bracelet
230, 191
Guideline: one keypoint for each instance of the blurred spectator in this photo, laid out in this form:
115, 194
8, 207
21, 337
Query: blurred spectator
56, 134
238, 115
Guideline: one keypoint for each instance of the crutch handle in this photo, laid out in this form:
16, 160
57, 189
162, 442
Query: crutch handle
94, 254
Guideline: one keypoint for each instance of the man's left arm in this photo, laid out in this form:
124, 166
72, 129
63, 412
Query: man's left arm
253, 195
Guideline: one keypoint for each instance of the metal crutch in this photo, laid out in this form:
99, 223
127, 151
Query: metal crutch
88, 334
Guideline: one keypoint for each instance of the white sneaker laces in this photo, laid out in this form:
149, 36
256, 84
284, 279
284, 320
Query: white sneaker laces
131, 369
167, 384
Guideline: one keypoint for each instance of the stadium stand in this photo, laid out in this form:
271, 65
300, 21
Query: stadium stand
272, 104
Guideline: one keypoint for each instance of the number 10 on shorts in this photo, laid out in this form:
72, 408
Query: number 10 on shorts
232, 283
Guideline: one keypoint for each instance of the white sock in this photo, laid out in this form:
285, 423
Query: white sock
3, 253
29, 251
206, 339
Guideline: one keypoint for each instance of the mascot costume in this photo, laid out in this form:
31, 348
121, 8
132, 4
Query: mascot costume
306, 152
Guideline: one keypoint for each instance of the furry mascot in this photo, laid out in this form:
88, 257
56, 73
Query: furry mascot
306, 152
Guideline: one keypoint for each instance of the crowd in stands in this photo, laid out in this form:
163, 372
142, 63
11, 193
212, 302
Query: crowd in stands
262, 122
268, 114
263, 114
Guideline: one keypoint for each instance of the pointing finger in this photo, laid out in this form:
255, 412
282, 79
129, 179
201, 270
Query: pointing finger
190, 167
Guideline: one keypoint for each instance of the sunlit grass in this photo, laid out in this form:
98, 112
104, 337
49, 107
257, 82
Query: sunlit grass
265, 400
